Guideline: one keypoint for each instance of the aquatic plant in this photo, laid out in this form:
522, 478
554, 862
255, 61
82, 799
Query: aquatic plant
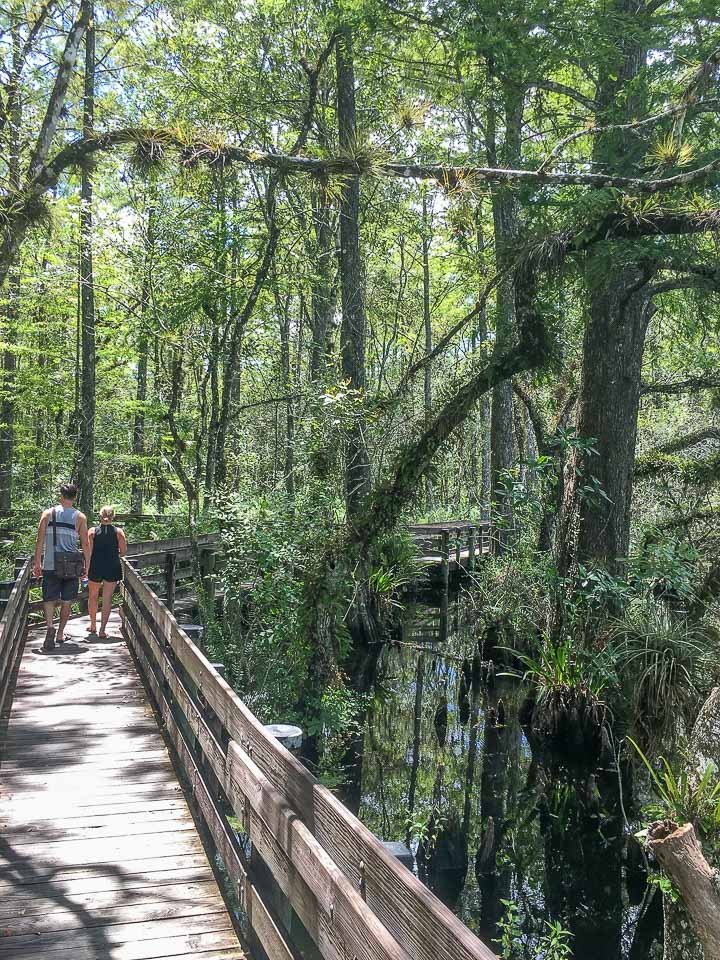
682, 798
511, 935
663, 659
567, 704
552, 944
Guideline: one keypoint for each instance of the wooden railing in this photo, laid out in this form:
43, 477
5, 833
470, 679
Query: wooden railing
352, 897
169, 565
12, 628
452, 545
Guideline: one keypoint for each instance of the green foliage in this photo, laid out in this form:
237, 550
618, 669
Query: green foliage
553, 942
270, 547
511, 936
563, 665
662, 881
664, 661
666, 566
684, 797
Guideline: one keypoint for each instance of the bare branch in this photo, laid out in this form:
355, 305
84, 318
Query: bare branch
564, 90
674, 111
682, 386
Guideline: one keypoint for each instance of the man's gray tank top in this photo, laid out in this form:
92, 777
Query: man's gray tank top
66, 537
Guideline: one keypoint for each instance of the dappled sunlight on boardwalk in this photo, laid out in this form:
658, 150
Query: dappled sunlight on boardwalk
99, 856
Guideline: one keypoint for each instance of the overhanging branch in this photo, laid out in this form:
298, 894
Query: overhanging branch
195, 150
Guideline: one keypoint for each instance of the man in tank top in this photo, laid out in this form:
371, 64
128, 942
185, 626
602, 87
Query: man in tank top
60, 529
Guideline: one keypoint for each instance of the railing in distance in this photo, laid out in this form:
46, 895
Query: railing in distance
352, 897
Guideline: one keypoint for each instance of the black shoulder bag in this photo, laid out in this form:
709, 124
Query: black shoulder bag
69, 564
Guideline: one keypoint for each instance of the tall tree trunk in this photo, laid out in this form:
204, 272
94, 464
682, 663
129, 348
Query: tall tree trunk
353, 330
283, 309
323, 287
238, 322
12, 301
506, 213
214, 361
138, 482
596, 528
427, 371
86, 452
7, 399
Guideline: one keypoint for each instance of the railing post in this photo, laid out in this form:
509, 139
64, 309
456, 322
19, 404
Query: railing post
471, 549
170, 562
207, 568
445, 552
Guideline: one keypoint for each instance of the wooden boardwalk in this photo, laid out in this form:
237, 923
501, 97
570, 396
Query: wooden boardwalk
100, 858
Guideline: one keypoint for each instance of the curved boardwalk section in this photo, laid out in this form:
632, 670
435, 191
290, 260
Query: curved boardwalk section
99, 855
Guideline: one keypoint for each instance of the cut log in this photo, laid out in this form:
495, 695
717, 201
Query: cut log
679, 853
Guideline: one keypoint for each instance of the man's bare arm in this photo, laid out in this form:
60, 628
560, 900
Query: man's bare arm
37, 565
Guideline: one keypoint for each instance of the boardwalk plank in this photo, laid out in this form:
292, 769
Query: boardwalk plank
51, 903
72, 918
78, 886
105, 874
99, 854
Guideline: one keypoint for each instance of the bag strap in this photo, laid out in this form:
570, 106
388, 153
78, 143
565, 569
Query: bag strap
53, 527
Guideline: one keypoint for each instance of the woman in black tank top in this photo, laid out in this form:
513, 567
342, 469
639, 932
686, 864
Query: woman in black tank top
107, 545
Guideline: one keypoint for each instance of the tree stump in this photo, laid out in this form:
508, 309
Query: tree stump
679, 853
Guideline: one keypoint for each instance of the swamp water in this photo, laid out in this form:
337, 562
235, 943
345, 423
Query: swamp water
489, 818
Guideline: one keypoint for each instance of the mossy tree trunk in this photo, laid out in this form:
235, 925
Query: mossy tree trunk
354, 323
596, 525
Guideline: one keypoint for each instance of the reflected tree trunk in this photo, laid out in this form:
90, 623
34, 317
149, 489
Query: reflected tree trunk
498, 744
417, 732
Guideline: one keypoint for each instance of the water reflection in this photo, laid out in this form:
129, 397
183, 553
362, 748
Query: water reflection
445, 764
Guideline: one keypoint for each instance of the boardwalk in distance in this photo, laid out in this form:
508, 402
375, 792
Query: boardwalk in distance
99, 855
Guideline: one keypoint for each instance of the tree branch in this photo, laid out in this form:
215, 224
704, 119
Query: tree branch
536, 418
681, 386
685, 441
564, 90
389, 499
673, 111
449, 176
60, 87
313, 75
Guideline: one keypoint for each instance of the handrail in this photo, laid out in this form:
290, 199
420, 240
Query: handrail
12, 628
352, 896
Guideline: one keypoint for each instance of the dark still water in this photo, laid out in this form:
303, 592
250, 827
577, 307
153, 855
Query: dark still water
490, 818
